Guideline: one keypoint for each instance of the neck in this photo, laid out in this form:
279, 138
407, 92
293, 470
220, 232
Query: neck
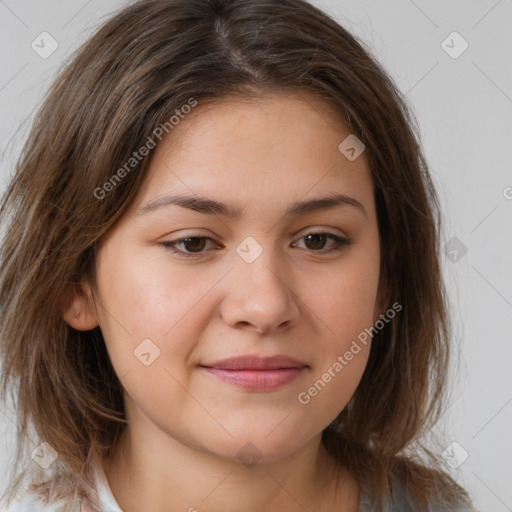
149, 470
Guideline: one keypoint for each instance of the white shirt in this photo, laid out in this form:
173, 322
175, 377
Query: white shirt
29, 502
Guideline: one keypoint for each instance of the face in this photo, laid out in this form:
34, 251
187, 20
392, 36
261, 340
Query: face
183, 289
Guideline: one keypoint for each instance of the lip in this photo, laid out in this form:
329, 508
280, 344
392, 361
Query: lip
256, 363
254, 373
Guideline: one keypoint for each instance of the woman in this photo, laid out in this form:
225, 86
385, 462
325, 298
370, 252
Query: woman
220, 285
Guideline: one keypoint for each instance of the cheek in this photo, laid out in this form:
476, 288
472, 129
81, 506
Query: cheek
151, 321
148, 299
344, 300
345, 308
333, 385
344, 305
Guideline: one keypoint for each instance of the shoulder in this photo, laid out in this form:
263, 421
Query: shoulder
30, 502
403, 502
424, 488
28, 499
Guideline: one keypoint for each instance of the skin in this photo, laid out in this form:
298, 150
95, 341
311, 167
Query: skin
185, 427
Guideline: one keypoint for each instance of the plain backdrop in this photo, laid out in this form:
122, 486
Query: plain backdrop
453, 61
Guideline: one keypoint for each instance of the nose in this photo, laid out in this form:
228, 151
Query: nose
260, 297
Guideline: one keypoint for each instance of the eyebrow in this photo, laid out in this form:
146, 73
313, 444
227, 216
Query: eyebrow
209, 206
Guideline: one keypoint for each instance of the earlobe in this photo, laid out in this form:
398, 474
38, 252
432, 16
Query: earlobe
78, 311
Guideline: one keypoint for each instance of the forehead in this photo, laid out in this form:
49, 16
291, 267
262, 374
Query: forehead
264, 116
276, 147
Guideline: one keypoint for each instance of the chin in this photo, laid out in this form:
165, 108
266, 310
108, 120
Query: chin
251, 447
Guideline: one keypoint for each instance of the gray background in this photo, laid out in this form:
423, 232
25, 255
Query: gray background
464, 108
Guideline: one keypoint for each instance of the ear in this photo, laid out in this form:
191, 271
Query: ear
78, 310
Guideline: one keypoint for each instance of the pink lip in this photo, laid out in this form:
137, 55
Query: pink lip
256, 380
255, 373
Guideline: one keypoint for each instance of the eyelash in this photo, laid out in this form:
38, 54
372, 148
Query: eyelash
171, 246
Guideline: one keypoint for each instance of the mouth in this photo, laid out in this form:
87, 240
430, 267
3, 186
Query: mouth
254, 373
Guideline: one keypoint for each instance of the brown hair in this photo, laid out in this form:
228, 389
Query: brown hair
144, 63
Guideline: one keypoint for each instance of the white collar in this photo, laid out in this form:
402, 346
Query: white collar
107, 500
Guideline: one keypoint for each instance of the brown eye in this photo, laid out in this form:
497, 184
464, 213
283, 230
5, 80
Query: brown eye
316, 242
195, 244
189, 246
